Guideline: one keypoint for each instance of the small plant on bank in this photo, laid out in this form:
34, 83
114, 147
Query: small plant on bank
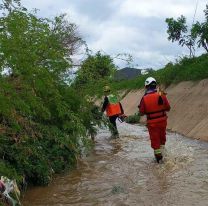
133, 119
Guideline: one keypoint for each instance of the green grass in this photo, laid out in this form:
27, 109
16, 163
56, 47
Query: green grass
186, 69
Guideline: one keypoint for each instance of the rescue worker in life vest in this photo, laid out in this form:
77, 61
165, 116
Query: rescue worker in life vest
154, 105
113, 110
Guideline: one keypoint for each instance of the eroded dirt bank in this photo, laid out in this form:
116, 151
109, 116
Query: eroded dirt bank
189, 103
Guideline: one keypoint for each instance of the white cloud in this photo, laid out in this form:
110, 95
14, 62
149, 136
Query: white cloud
155, 8
162, 9
136, 27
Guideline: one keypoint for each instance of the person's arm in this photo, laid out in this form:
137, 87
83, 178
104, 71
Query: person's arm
166, 103
105, 104
122, 111
141, 107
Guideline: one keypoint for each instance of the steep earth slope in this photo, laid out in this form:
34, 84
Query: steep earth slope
189, 107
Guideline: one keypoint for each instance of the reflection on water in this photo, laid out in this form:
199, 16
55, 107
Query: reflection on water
123, 172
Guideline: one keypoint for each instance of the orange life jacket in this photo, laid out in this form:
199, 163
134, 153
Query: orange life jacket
154, 111
113, 107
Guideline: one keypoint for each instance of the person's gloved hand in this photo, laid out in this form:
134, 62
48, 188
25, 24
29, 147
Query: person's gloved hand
122, 117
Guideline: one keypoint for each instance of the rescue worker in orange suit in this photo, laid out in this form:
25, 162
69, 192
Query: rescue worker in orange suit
113, 110
154, 105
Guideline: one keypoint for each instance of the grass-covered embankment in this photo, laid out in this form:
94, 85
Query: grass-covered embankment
186, 69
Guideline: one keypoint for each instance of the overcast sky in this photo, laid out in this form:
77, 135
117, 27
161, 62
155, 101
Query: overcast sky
136, 27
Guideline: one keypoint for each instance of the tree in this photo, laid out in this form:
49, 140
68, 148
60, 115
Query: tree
42, 118
177, 31
95, 71
9, 5
200, 31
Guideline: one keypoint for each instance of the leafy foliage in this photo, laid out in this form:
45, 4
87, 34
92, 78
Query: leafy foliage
177, 31
133, 119
44, 122
198, 32
94, 73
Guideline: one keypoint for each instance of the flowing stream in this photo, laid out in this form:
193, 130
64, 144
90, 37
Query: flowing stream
123, 172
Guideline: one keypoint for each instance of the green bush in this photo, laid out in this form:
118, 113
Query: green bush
133, 119
7, 170
44, 122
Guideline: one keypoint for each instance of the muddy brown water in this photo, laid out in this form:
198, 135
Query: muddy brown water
123, 172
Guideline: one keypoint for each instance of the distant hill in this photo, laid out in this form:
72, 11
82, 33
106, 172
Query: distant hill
126, 73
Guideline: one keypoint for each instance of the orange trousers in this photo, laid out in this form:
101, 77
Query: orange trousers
157, 132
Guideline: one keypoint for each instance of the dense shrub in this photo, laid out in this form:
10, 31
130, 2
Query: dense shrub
133, 119
44, 122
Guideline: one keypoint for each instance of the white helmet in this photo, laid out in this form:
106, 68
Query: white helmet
149, 80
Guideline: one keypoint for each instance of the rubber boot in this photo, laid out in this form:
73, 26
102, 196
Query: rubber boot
115, 134
158, 157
